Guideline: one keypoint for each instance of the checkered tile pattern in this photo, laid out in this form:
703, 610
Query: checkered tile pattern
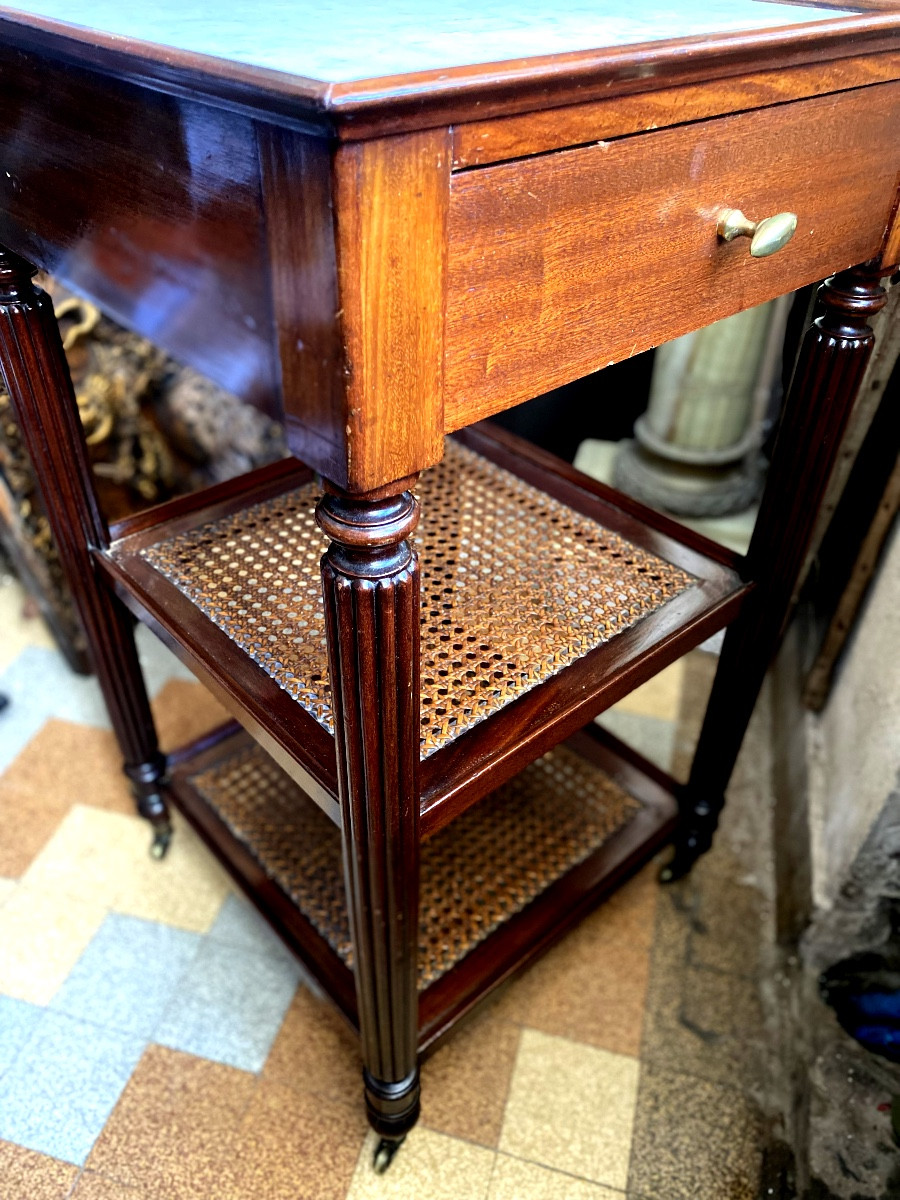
157, 1041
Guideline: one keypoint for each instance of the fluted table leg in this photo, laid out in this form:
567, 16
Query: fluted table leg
371, 583
829, 370
37, 378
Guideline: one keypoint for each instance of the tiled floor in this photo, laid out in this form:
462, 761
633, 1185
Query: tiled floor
156, 1040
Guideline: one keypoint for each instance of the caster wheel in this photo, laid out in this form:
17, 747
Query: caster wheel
384, 1154
667, 874
162, 838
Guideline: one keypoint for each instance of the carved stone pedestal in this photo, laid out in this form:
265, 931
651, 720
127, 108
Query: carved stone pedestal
696, 449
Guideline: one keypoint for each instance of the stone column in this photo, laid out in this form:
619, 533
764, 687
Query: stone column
696, 448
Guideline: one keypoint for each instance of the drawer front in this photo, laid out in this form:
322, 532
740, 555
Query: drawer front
567, 262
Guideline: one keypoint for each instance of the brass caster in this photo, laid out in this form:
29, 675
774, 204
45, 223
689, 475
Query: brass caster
162, 838
384, 1153
679, 866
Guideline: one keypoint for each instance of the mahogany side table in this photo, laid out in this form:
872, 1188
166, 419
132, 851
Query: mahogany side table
342, 213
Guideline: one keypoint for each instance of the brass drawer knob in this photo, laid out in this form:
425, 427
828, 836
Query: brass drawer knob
766, 236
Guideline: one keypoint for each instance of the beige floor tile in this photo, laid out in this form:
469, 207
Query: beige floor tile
88, 856
19, 629
43, 935
27, 1175
592, 987
103, 857
67, 763
514, 1179
571, 1107
465, 1084
186, 889
659, 696
7, 889
428, 1166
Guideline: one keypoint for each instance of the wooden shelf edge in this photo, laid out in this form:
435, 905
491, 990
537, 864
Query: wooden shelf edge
503, 955
317, 957
527, 936
566, 483
496, 749
493, 750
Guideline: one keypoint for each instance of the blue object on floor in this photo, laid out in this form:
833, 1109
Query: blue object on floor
864, 991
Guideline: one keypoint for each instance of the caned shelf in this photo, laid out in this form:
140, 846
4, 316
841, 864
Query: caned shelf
498, 886
545, 597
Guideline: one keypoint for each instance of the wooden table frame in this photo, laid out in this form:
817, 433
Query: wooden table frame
355, 250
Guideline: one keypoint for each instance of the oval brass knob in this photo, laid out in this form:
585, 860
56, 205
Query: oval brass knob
766, 236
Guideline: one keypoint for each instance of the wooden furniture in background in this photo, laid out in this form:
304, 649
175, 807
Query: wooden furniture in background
393, 259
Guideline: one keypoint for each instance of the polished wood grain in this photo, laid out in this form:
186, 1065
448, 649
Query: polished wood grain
373, 108
310, 239
36, 375
429, 99
357, 240
296, 173
391, 197
458, 775
544, 252
478, 143
829, 370
370, 579
148, 204
890, 255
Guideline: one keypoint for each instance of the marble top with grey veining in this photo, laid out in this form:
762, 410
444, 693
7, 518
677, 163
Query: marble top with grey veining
343, 40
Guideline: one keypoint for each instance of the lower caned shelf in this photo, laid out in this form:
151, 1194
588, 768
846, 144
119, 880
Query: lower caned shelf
498, 885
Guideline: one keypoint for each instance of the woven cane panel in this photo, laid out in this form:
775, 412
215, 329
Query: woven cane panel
477, 872
515, 586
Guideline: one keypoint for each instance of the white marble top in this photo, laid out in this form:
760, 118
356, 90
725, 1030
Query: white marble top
342, 40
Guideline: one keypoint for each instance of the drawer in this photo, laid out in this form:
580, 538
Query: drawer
567, 262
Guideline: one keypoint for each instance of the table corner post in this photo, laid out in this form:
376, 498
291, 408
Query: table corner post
829, 370
370, 577
36, 375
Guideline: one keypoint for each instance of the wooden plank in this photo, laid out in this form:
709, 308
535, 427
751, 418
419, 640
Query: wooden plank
818, 682
392, 197
478, 143
147, 204
555, 267
357, 243
890, 256
297, 193
367, 108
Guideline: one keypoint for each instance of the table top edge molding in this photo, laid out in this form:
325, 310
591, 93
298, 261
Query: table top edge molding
367, 108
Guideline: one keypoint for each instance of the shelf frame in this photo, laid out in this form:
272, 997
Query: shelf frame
492, 751
505, 953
